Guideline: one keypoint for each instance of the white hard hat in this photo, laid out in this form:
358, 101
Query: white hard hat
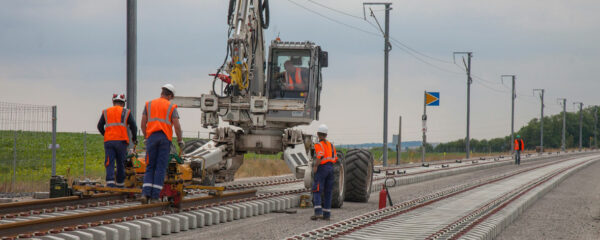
169, 87
118, 97
322, 129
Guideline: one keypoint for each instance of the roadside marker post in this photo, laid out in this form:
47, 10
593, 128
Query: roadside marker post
429, 99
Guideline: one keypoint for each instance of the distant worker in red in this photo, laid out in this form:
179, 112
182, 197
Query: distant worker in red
323, 169
113, 126
159, 118
519, 146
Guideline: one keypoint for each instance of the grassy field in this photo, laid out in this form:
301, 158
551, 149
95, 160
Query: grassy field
33, 165
34, 159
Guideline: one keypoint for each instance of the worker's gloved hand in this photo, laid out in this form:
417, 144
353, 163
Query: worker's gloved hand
181, 144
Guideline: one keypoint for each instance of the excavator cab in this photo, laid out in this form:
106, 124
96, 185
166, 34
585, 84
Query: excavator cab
294, 74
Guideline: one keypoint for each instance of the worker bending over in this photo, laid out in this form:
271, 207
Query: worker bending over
326, 156
519, 146
113, 126
158, 120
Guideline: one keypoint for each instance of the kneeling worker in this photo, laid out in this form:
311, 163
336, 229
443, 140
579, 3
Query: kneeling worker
113, 125
158, 120
323, 169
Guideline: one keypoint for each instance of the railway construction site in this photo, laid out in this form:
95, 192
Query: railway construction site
271, 136
474, 199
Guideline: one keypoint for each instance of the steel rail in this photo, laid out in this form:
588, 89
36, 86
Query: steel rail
45, 224
258, 184
17, 207
9, 211
482, 158
469, 165
368, 219
497, 204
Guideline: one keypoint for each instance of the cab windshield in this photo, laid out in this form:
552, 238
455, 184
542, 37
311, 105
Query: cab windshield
290, 74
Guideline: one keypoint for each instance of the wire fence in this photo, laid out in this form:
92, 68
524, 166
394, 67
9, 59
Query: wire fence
25, 147
81, 154
26, 154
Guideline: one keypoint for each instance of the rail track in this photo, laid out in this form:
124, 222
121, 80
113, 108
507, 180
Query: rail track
48, 222
32, 208
72, 215
450, 213
416, 175
470, 160
8, 209
440, 165
110, 209
159, 217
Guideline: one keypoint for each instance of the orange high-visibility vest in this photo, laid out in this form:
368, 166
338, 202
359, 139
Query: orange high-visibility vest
115, 126
298, 79
326, 152
159, 112
519, 147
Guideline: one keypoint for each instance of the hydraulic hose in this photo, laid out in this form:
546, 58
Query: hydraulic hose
263, 10
230, 12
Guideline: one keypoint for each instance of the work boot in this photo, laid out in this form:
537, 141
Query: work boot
326, 218
144, 200
316, 217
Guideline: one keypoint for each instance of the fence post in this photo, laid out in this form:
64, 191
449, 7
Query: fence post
54, 140
84, 151
198, 134
14, 177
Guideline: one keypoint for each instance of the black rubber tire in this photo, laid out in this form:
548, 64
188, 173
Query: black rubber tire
337, 192
193, 144
358, 175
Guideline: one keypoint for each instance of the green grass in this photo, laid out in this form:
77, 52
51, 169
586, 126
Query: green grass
34, 159
34, 164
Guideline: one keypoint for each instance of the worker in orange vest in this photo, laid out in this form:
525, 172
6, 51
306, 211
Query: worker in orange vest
113, 126
294, 77
159, 118
326, 156
519, 146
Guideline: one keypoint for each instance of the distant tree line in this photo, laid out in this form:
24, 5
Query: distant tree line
531, 135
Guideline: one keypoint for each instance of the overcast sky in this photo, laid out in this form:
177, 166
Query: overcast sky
72, 53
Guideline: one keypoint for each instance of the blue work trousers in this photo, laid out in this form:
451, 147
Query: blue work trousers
115, 153
518, 157
323, 184
158, 148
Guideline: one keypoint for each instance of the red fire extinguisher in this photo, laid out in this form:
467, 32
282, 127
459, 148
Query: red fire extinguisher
382, 197
383, 194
